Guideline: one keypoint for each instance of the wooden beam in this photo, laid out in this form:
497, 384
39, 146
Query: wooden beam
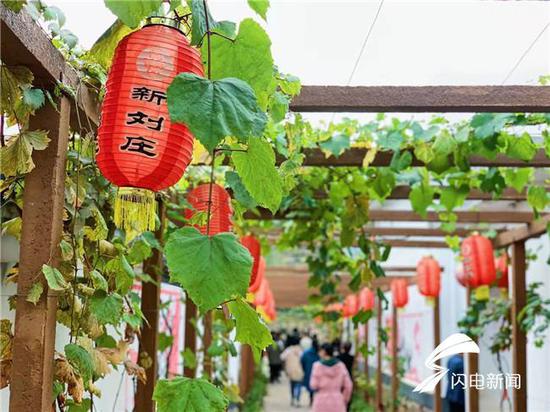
420, 99
43, 204
438, 406
533, 229
25, 43
427, 244
519, 339
416, 231
394, 359
379, 399
402, 192
150, 301
473, 368
190, 340
386, 215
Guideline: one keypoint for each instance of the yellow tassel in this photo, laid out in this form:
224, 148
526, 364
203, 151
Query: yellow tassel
135, 210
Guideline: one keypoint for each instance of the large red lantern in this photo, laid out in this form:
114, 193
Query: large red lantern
255, 284
399, 292
139, 149
428, 274
478, 260
220, 210
501, 266
366, 299
351, 306
461, 276
262, 294
255, 249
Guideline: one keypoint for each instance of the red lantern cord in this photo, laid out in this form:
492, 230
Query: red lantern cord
139, 149
478, 260
399, 292
428, 274
255, 249
220, 210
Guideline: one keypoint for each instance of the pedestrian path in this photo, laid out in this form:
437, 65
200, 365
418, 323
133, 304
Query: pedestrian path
278, 398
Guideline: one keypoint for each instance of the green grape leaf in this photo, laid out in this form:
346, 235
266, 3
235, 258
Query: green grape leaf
54, 13
107, 308
189, 358
239, 191
84, 406
537, 197
189, 395
492, 181
16, 156
55, 279
212, 269
452, 197
250, 329
390, 140
421, 197
100, 230
522, 147
132, 12
164, 341
14, 5
81, 359
256, 168
336, 145
247, 58
103, 50
34, 98
98, 281
139, 251
260, 7
35, 292
444, 144
290, 84
278, 106
518, 178
546, 137
215, 109
384, 183
424, 152
487, 124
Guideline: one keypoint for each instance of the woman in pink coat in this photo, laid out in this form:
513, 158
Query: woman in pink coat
331, 381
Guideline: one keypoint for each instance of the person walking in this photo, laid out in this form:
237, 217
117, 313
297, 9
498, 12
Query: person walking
309, 357
293, 368
331, 381
455, 389
274, 358
346, 357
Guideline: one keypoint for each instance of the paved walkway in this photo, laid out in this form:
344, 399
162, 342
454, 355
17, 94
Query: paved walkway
278, 398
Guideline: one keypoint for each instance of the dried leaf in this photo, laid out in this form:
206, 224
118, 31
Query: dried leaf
134, 369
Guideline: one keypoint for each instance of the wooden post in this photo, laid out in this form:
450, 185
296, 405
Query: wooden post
150, 302
394, 359
190, 341
437, 341
43, 202
366, 356
379, 386
247, 370
473, 368
207, 341
519, 340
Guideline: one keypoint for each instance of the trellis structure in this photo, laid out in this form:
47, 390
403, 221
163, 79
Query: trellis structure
24, 43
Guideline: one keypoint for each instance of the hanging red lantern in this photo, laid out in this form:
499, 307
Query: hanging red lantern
139, 149
351, 306
269, 307
478, 260
461, 276
334, 307
254, 285
501, 266
428, 274
220, 210
399, 292
255, 249
261, 295
366, 299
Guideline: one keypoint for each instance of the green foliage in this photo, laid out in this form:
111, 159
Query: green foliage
81, 360
132, 13
255, 397
14, 5
214, 110
260, 7
421, 197
534, 317
16, 156
212, 269
256, 168
250, 330
538, 198
199, 25
103, 50
190, 395
54, 278
35, 292
107, 308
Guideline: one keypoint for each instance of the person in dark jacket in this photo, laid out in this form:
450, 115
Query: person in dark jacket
455, 389
309, 357
346, 357
274, 358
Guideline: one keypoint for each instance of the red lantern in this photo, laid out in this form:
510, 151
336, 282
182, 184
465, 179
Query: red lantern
399, 292
460, 276
261, 296
351, 306
334, 307
478, 260
255, 249
139, 149
366, 299
501, 266
428, 274
269, 307
220, 210
254, 285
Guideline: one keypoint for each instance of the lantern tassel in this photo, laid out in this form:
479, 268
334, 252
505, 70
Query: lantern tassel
135, 210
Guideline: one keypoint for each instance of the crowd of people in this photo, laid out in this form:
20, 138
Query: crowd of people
324, 371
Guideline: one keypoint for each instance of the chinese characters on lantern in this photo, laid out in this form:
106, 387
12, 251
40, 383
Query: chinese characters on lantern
489, 381
140, 144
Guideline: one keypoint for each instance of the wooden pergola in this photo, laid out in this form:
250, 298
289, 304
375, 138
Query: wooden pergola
23, 42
